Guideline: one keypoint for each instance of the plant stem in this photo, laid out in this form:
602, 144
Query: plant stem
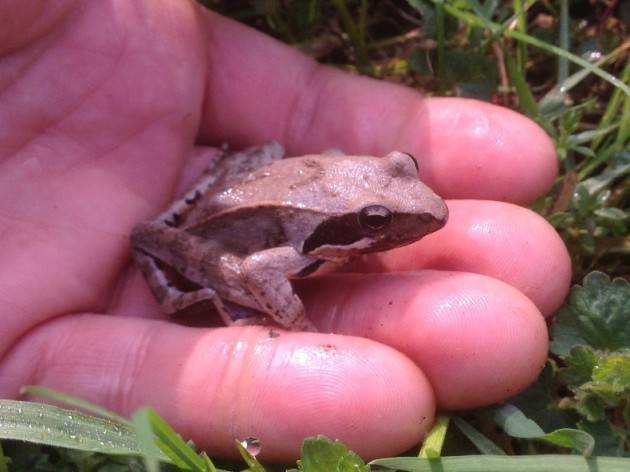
521, 25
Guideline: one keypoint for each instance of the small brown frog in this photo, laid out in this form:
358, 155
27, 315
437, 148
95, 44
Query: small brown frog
255, 221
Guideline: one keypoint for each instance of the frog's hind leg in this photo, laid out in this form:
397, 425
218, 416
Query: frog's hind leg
173, 300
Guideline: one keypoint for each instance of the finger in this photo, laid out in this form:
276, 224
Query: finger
259, 89
478, 340
215, 386
504, 241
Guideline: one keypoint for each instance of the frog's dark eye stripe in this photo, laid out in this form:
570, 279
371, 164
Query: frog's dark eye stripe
415, 161
347, 229
340, 231
375, 217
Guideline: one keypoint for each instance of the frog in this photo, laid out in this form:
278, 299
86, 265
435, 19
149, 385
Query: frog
256, 221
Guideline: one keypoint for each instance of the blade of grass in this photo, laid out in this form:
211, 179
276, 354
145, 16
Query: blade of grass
536, 463
75, 402
432, 446
525, 97
53, 426
171, 443
623, 134
613, 105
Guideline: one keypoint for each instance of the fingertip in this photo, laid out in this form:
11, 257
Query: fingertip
482, 342
370, 396
478, 340
475, 149
497, 239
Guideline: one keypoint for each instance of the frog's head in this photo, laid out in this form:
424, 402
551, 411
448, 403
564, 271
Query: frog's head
381, 205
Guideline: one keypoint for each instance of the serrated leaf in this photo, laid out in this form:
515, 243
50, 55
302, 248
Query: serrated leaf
597, 315
611, 378
320, 454
590, 406
599, 380
580, 364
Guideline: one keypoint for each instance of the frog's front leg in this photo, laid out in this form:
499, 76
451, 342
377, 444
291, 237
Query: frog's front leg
266, 276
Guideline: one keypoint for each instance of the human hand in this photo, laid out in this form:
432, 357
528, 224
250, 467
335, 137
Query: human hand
107, 107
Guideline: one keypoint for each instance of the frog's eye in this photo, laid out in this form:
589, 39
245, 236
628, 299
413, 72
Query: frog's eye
415, 161
375, 217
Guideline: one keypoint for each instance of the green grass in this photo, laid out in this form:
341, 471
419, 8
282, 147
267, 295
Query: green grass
581, 402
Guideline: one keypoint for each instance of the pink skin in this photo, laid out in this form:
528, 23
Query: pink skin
105, 108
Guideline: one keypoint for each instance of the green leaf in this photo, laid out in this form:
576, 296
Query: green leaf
597, 315
580, 364
602, 181
600, 380
611, 213
611, 378
575, 439
54, 426
516, 424
512, 420
534, 463
320, 454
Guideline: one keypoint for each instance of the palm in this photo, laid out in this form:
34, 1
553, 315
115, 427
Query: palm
102, 107
107, 154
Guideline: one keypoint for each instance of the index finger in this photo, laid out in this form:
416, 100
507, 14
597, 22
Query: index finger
259, 89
